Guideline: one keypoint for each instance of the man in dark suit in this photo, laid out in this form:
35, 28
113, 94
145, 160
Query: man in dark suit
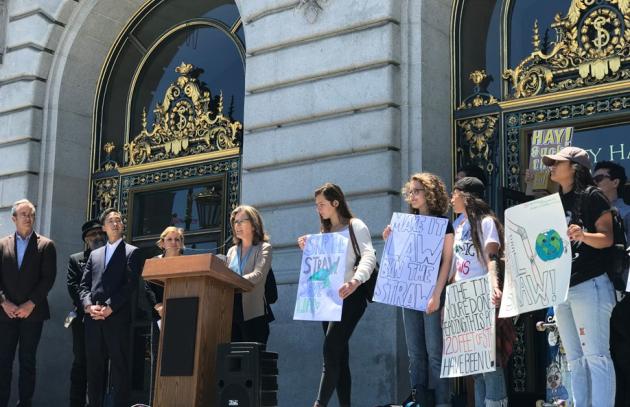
110, 278
93, 237
28, 266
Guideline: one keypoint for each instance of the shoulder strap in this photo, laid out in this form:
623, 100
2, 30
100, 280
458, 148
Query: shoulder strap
355, 245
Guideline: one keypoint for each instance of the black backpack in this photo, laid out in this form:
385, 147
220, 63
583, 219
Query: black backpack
369, 286
271, 289
619, 255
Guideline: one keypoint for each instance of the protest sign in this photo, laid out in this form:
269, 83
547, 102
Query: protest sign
468, 329
411, 261
537, 256
545, 142
321, 275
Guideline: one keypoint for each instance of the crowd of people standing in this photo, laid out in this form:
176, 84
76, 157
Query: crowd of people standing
102, 278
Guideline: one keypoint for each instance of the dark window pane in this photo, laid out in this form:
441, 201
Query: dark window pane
208, 48
606, 144
111, 122
479, 44
191, 208
227, 14
523, 15
170, 13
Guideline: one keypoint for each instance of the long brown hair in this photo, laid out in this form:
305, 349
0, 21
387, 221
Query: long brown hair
476, 210
434, 193
331, 193
257, 224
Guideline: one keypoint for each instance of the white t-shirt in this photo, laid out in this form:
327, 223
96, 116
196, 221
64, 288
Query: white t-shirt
466, 263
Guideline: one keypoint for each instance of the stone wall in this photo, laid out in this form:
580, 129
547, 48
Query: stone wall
341, 97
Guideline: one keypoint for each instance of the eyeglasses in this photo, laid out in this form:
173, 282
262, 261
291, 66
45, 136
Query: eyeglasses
414, 192
600, 177
240, 221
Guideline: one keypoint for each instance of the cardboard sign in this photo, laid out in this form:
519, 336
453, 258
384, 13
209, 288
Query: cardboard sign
537, 256
411, 261
468, 329
321, 275
545, 142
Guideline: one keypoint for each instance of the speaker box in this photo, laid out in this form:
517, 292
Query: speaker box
247, 375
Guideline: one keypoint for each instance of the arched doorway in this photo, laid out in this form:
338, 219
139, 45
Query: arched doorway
167, 135
522, 65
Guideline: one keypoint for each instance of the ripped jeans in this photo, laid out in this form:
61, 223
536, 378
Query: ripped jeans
584, 325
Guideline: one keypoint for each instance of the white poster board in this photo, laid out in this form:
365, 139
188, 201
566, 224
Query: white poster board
468, 329
537, 256
411, 261
321, 275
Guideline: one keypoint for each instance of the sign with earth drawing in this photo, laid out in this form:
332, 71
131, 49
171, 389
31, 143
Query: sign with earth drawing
321, 275
537, 256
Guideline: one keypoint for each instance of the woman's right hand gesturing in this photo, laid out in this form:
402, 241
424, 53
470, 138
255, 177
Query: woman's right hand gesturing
387, 231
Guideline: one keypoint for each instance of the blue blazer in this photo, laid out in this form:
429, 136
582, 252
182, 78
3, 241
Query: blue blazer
112, 285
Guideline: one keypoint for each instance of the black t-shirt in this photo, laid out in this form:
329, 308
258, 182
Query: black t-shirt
449, 226
584, 209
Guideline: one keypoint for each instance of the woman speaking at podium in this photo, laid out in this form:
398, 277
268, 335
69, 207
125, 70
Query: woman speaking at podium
250, 257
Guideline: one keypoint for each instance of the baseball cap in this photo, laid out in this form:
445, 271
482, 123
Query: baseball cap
573, 154
470, 185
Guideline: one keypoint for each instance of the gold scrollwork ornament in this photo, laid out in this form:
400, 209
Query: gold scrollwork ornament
184, 124
478, 132
592, 46
106, 193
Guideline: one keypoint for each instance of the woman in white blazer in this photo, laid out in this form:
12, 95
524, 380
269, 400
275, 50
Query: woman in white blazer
250, 257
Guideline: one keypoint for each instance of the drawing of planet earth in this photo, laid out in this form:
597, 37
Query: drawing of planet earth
549, 245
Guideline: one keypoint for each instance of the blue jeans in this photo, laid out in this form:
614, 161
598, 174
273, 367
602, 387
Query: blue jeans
423, 333
490, 389
584, 326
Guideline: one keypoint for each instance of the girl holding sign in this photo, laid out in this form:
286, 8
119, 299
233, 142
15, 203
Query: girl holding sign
335, 216
476, 252
584, 318
426, 195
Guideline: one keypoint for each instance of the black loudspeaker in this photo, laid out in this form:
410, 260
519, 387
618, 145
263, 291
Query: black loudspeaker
247, 375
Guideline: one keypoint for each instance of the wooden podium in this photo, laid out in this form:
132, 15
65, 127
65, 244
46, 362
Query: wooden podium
198, 301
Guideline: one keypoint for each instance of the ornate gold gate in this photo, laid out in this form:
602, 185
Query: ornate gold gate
576, 72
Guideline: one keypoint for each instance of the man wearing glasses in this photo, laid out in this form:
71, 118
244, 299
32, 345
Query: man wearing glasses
610, 177
28, 266
109, 280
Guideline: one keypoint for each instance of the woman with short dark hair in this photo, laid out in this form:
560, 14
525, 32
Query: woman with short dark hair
250, 257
